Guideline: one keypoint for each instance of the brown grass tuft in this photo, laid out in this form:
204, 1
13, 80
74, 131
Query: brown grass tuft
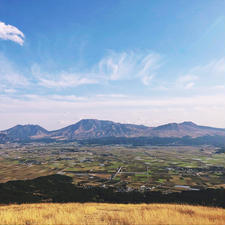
110, 214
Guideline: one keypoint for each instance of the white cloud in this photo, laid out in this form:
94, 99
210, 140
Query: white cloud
9, 32
68, 98
146, 80
129, 65
111, 96
186, 81
214, 68
113, 67
9, 76
10, 91
210, 75
187, 78
14, 79
61, 79
65, 80
218, 87
189, 85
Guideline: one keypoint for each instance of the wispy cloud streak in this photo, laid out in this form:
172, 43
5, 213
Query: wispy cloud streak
129, 65
113, 67
65, 80
9, 76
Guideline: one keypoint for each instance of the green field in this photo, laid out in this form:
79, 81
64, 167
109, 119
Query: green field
154, 167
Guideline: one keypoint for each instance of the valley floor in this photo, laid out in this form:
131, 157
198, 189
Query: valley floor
110, 214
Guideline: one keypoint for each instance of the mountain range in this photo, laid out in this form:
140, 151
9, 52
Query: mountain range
94, 129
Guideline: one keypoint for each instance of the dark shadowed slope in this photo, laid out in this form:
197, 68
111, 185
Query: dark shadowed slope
60, 188
4, 138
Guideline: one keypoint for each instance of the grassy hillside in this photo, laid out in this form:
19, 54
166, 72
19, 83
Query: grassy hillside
110, 214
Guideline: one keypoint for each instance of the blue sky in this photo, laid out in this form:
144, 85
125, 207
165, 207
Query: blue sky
145, 62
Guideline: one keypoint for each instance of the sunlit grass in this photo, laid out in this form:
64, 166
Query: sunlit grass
110, 214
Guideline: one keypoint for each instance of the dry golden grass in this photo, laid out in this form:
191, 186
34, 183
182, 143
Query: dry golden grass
110, 214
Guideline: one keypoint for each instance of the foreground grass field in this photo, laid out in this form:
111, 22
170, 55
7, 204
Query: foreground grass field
110, 214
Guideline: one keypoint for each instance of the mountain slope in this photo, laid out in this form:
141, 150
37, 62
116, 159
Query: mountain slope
4, 138
90, 128
23, 132
185, 129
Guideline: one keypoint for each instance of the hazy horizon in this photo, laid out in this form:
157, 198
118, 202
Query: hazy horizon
148, 62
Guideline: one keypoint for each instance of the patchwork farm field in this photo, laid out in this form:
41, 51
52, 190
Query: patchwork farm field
110, 214
165, 168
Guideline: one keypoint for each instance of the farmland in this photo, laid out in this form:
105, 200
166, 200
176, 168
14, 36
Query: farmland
164, 168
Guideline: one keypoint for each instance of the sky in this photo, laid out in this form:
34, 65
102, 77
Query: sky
145, 62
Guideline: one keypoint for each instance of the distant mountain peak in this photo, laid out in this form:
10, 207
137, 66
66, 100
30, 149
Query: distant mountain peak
23, 132
176, 126
27, 126
94, 128
168, 126
189, 123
